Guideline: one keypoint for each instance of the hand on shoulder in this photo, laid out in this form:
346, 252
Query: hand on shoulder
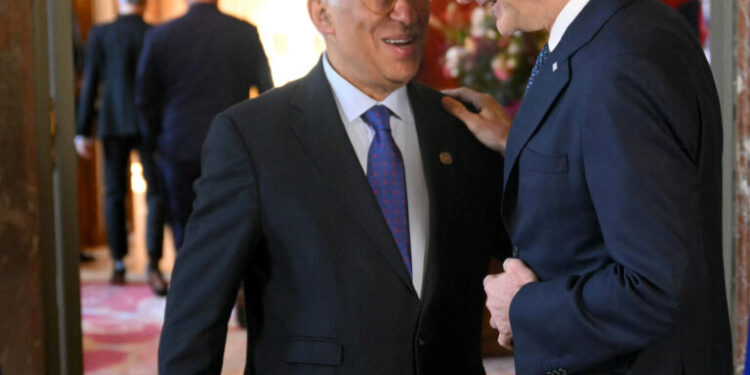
490, 124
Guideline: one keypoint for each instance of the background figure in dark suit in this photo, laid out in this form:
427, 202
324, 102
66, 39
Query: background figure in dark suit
612, 195
112, 58
191, 69
359, 215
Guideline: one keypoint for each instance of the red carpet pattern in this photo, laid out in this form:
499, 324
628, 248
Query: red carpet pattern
121, 327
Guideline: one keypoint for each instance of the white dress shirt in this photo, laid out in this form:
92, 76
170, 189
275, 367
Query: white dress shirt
352, 104
567, 15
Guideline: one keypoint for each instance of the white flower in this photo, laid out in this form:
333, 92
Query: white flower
478, 22
453, 58
514, 47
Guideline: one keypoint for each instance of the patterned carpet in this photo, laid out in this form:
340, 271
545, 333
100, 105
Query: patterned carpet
121, 327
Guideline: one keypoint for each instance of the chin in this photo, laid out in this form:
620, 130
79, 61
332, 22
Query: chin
502, 29
404, 75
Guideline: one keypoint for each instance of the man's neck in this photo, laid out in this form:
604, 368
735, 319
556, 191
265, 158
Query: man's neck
378, 93
552, 12
130, 10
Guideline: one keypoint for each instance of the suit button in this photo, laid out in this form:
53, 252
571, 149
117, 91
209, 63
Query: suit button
515, 251
421, 341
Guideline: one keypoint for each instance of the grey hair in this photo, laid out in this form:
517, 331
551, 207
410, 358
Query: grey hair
332, 2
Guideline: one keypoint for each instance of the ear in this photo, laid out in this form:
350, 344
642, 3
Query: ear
320, 14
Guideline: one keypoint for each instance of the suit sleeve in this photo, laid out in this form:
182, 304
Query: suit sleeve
262, 70
90, 90
149, 92
640, 137
221, 235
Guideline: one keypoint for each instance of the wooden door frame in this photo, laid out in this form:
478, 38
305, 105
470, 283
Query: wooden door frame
62, 269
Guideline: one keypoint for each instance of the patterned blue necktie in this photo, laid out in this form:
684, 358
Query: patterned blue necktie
385, 172
541, 60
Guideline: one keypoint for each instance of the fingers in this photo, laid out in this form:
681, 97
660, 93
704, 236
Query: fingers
505, 340
489, 279
457, 109
519, 269
476, 98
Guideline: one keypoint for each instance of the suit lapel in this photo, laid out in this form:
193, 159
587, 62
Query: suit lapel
324, 138
434, 138
554, 78
539, 99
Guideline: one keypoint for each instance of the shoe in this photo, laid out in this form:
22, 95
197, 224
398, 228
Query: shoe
156, 281
87, 257
118, 277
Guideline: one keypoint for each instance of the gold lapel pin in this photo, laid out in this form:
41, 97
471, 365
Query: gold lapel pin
446, 158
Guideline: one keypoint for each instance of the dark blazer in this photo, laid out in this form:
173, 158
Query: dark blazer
613, 198
191, 69
284, 206
112, 57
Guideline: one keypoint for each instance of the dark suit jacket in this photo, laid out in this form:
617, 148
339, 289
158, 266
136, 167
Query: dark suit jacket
613, 197
284, 205
191, 69
112, 57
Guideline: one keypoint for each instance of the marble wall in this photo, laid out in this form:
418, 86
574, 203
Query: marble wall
742, 178
24, 340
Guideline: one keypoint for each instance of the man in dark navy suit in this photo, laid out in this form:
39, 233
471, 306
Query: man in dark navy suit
191, 69
359, 215
112, 58
612, 195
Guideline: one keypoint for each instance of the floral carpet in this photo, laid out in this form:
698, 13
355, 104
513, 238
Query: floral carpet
121, 327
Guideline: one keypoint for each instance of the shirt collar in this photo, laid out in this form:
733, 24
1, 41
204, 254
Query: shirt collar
566, 17
355, 103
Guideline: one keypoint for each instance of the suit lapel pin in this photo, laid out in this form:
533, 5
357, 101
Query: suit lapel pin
554, 66
446, 158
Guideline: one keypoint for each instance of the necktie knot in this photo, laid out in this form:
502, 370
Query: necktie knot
378, 117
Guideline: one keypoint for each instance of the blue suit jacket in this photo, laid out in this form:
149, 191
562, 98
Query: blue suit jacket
613, 197
190, 70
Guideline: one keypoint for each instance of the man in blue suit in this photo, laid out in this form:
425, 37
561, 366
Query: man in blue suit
191, 69
612, 195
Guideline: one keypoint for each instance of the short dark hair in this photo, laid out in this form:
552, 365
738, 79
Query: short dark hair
136, 2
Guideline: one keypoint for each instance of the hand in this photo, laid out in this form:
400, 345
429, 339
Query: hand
84, 146
501, 289
491, 125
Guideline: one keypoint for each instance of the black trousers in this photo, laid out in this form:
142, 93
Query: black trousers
178, 181
116, 174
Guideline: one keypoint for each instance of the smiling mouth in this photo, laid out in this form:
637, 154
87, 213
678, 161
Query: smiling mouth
399, 42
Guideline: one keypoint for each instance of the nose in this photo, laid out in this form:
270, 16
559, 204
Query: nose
408, 11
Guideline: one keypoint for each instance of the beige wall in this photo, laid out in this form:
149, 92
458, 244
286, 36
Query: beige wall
291, 42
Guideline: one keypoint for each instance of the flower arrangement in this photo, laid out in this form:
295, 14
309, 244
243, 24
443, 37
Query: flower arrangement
478, 57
